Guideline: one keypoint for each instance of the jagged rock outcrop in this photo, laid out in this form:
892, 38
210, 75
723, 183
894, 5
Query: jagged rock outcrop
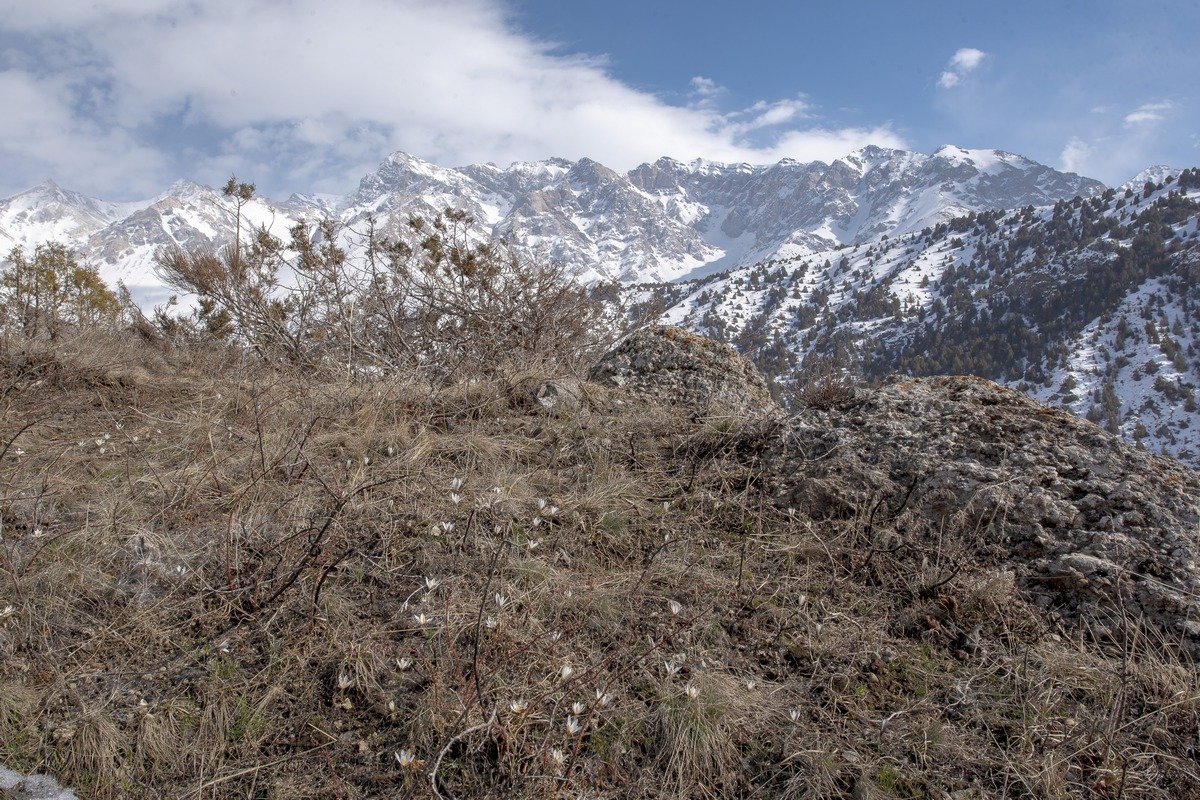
677, 367
1092, 526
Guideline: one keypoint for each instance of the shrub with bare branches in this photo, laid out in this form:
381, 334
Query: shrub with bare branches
440, 300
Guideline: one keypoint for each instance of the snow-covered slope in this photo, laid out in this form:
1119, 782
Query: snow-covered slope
1088, 304
660, 221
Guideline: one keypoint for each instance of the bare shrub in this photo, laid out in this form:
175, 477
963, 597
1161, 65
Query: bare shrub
438, 301
822, 384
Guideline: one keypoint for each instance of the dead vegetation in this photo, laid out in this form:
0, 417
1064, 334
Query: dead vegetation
219, 580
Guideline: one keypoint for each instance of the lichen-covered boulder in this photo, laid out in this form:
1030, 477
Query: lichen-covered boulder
677, 367
1091, 525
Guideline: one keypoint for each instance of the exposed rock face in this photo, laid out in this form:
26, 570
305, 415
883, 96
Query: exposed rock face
1094, 526
677, 367
559, 396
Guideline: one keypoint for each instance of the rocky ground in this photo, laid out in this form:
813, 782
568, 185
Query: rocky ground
222, 579
1091, 526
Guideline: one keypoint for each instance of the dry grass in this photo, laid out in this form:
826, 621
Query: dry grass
229, 581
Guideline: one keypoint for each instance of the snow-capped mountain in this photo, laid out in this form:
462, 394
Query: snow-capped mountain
49, 212
660, 221
1090, 304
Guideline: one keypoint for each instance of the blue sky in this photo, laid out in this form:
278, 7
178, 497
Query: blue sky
121, 98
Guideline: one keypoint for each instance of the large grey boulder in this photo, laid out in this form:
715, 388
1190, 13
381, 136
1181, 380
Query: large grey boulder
1094, 527
676, 367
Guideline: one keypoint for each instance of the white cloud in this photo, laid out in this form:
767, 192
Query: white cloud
963, 61
706, 87
967, 59
1076, 155
1149, 112
315, 94
1116, 149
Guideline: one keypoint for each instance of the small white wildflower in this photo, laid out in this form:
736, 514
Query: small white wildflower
224, 646
533, 544
180, 570
6, 612
558, 756
431, 583
38, 533
666, 506
566, 672
794, 714
518, 706
490, 623
671, 667
667, 536
345, 681
405, 757
391, 706
603, 698
675, 606
500, 599
456, 484
19, 452
751, 684
578, 708
536, 521
455, 498
391, 451
573, 726
447, 526
422, 618
692, 691
541, 504
555, 636
404, 662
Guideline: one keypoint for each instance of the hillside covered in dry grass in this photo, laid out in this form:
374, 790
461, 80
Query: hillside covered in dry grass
223, 579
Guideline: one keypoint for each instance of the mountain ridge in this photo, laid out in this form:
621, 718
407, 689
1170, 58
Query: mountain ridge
659, 221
